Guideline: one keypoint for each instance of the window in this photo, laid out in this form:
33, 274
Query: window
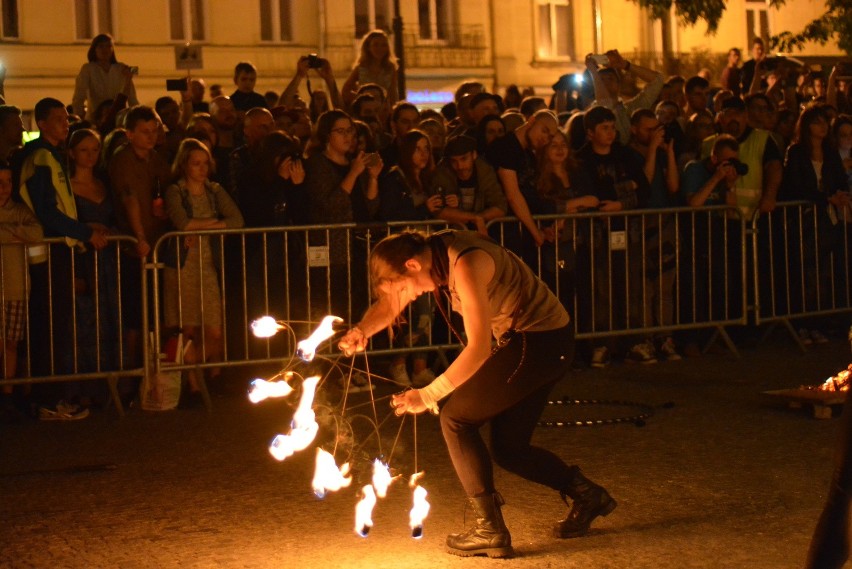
275, 18
372, 15
93, 17
555, 30
757, 21
10, 19
433, 18
187, 20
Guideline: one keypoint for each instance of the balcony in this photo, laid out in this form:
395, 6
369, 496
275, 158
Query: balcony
454, 46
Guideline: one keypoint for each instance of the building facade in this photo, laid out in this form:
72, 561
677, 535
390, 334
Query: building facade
498, 42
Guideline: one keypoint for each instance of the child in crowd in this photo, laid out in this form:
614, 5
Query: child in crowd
245, 97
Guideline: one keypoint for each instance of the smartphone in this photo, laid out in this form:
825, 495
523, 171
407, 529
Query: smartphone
176, 85
371, 158
134, 70
600, 58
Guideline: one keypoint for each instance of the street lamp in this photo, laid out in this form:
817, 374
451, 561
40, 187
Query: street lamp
400, 51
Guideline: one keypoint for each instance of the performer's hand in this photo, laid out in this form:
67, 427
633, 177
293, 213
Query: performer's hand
407, 402
353, 341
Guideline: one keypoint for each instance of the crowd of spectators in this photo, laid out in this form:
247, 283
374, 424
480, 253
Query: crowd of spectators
745, 137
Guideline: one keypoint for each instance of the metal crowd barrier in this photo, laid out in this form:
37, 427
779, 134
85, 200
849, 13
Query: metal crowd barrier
626, 273
800, 264
296, 274
70, 313
641, 272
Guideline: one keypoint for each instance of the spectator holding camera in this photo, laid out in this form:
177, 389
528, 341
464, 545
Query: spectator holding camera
375, 64
102, 78
290, 97
607, 82
711, 181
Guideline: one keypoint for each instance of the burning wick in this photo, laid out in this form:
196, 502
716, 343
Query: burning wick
419, 510
261, 389
307, 348
364, 511
303, 427
381, 478
327, 477
266, 327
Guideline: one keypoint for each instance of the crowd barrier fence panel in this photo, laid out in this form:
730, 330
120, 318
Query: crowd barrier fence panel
73, 311
800, 256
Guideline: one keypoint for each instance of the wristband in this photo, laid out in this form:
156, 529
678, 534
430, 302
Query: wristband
436, 391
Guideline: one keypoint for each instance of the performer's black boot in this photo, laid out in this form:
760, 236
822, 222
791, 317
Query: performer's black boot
588, 502
489, 536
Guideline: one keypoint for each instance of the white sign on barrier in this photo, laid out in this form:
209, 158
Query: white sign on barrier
318, 256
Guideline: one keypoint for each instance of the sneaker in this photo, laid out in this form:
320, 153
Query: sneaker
63, 412
668, 350
399, 375
642, 353
423, 378
805, 337
818, 337
358, 383
600, 357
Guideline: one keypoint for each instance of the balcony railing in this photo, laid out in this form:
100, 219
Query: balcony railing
454, 46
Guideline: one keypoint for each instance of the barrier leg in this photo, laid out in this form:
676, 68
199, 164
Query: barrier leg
795, 335
112, 383
720, 332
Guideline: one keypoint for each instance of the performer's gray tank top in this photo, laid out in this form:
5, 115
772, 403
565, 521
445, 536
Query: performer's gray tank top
518, 298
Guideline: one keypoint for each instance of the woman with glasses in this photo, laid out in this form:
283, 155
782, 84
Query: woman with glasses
342, 188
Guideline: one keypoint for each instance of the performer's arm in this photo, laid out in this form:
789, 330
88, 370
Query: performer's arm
377, 318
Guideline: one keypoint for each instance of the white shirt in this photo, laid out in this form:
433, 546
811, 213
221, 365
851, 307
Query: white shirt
94, 86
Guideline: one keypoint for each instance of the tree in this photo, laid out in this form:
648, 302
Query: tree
835, 23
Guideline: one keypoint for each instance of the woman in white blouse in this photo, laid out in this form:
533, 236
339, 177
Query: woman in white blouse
102, 78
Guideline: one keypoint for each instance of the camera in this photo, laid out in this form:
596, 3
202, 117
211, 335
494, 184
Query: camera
669, 131
740, 168
314, 61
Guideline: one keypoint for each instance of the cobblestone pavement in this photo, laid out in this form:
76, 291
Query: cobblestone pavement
726, 478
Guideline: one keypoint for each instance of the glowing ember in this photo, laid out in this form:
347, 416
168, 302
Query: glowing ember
327, 477
419, 510
307, 348
364, 511
381, 478
266, 327
303, 427
261, 389
839, 382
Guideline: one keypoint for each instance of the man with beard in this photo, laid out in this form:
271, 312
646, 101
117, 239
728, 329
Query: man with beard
224, 117
462, 173
759, 187
755, 190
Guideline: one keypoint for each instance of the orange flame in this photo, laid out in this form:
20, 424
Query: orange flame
303, 428
364, 511
307, 348
327, 477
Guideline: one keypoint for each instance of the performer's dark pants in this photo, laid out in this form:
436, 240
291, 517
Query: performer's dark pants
510, 391
833, 535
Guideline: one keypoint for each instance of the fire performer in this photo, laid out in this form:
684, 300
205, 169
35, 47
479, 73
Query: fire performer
506, 386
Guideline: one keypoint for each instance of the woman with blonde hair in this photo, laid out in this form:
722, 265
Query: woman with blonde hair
376, 64
193, 299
